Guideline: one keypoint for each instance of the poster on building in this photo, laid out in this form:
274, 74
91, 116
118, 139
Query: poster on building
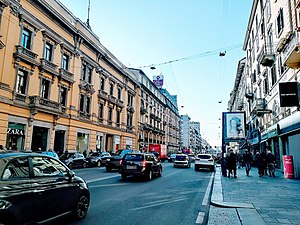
234, 126
288, 93
158, 81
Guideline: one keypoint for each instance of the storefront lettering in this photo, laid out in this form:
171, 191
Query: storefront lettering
15, 131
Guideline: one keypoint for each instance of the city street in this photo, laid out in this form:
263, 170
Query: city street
180, 196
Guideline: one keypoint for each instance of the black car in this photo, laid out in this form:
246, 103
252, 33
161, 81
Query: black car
97, 158
140, 164
113, 162
73, 159
36, 188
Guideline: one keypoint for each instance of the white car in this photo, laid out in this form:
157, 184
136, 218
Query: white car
204, 161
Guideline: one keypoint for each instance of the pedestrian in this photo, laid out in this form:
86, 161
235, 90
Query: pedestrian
231, 164
265, 169
84, 153
247, 158
260, 163
270, 161
238, 160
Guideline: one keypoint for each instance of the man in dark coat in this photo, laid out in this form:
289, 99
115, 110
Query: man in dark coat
247, 158
231, 163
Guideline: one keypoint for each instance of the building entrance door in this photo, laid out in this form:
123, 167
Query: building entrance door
39, 138
59, 141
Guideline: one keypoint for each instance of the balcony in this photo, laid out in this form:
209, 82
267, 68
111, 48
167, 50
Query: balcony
25, 55
49, 67
266, 56
102, 94
111, 99
130, 109
119, 103
36, 103
291, 52
143, 111
66, 75
259, 107
20, 97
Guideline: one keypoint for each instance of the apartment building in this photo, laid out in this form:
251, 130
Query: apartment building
271, 79
190, 134
158, 118
60, 88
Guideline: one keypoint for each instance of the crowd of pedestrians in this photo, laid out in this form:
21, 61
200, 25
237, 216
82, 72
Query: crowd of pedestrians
265, 163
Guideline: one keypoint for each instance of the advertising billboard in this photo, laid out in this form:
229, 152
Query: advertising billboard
158, 81
234, 128
288, 93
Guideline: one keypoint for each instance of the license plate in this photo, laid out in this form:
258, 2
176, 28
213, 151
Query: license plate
130, 167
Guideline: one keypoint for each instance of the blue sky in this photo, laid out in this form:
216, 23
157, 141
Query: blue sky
190, 34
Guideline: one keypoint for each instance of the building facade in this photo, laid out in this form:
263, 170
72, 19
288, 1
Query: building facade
272, 44
60, 88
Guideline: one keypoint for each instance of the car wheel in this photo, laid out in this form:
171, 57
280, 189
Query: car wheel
108, 169
160, 172
213, 169
124, 176
82, 206
70, 165
99, 164
150, 175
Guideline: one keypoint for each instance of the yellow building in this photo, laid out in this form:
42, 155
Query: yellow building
60, 88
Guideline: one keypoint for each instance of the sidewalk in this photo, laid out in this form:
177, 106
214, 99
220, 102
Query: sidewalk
254, 200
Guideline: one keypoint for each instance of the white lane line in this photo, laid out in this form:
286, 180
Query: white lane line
105, 185
162, 203
102, 178
200, 218
206, 196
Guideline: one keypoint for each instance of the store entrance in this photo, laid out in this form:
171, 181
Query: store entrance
59, 141
39, 138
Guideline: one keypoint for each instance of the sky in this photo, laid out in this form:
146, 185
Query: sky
182, 39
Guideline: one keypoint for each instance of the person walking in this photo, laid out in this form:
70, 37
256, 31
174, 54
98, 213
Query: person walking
247, 158
270, 161
231, 164
260, 163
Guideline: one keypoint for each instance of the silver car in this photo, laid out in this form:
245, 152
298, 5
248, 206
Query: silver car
205, 161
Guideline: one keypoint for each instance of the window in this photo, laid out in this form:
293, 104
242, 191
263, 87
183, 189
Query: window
129, 119
85, 104
281, 66
45, 89
110, 110
118, 118
86, 73
130, 100
26, 38
65, 62
48, 51
101, 107
16, 169
21, 83
111, 89
273, 74
63, 96
119, 93
279, 21
46, 167
266, 84
102, 82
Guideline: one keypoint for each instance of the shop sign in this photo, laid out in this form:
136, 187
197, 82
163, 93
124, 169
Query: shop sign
288, 93
15, 131
273, 132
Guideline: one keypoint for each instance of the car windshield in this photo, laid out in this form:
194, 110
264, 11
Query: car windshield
66, 155
122, 153
204, 156
134, 157
94, 154
105, 154
180, 157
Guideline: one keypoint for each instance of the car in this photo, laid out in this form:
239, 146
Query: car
182, 160
171, 158
36, 188
192, 157
113, 162
97, 158
205, 161
73, 159
50, 153
140, 164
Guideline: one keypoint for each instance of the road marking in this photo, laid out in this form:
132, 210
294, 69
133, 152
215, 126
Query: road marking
157, 204
105, 185
206, 196
200, 217
102, 178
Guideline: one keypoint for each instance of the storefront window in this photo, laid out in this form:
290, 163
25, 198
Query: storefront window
15, 136
82, 142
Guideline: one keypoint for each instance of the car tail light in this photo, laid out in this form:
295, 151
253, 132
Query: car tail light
121, 161
211, 160
143, 163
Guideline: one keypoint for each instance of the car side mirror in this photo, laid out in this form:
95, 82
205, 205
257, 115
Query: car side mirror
70, 175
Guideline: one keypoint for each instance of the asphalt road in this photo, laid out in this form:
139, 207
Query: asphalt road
180, 196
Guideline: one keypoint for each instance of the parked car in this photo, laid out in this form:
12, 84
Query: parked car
171, 158
36, 188
182, 160
204, 161
113, 162
73, 159
50, 153
192, 158
140, 164
97, 158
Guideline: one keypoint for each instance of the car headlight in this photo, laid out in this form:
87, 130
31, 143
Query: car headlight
107, 159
